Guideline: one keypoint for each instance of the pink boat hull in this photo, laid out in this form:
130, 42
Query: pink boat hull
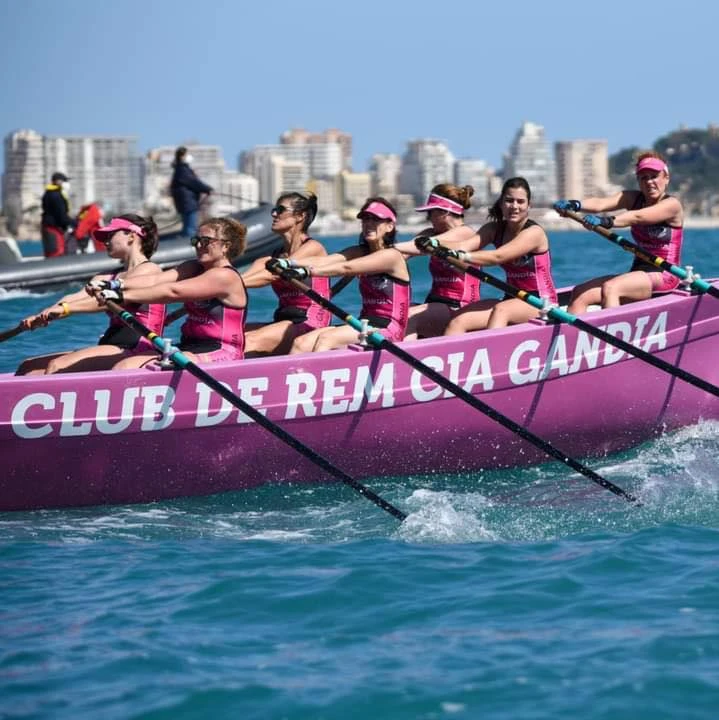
132, 437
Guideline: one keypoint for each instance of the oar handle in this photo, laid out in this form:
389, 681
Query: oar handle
695, 282
382, 343
184, 362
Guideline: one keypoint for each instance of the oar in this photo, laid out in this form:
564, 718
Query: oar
176, 314
7, 334
183, 362
558, 314
382, 343
695, 282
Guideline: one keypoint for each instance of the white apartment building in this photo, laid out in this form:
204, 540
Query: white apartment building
24, 178
384, 170
582, 168
356, 188
105, 169
320, 160
425, 163
530, 156
299, 136
474, 172
328, 199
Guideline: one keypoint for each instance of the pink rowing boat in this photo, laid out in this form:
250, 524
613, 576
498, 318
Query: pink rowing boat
139, 436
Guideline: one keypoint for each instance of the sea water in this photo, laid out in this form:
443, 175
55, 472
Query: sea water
527, 593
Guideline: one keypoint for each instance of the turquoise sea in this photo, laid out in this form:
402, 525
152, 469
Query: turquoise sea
528, 593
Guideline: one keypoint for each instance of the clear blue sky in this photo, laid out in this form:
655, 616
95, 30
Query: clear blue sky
237, 73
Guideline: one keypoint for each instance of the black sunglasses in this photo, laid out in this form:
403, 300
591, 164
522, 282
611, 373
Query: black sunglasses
202, 241
279, 209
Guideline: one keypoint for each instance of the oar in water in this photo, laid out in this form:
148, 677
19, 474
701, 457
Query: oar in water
561, 315
381, 343
183, 362
7, 334
339, 286
694, 281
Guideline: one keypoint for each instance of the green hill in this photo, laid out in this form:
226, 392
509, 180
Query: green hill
693, 157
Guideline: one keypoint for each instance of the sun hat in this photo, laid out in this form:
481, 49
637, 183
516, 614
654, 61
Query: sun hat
438, 202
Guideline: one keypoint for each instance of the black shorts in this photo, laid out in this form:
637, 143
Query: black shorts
120, 336
432, 298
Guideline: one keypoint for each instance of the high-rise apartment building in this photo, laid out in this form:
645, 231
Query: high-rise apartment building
24, 177
385, 170
425, 164
530, 156
582, 168
356, 188
470, 171
299, 136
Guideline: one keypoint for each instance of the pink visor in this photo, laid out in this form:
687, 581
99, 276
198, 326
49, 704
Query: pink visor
652, 163
113, 226
437, 202
378, 210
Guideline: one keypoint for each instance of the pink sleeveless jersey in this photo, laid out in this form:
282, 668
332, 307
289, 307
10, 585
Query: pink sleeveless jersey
531, 272
214, 330
450, 285
294, 305
661, 239
385, 303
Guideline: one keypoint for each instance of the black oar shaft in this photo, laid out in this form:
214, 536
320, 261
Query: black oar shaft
7, 334
563, 316
695, 282
186, 364
384, 344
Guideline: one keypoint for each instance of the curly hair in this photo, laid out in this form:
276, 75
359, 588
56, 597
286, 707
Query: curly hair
230, 231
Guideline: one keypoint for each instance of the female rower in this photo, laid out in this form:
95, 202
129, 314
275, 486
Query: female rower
656, 220
451, 288
132, 240
296, 314
383, 280
521, 248
210, 288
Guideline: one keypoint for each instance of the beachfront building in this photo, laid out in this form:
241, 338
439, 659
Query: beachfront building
24, 178
582, 168
356, 188
101, 169
304, 162
299, 136
425, 163
530, 156
474, 172
384, 170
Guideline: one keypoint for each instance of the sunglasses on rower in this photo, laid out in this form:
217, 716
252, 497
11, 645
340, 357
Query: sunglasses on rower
202, 241
279, 209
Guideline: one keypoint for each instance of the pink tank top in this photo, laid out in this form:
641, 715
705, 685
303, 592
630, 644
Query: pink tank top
661, 239
296, 306
451, 284
151, 316
531, 272
385, 299
214, 323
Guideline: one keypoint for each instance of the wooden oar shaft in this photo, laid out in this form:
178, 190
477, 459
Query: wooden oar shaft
562, 316
382, 343
182, 361
7, 334
695, 283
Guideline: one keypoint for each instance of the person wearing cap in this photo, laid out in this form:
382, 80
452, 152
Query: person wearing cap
296, 314
187, 191
384, 282
520, 248
130, 239
656, 220
56, 220
451, 288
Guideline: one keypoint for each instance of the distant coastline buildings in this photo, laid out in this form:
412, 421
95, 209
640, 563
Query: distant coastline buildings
111, 170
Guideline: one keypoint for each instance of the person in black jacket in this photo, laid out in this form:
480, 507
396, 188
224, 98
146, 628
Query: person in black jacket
187, 190
56, 218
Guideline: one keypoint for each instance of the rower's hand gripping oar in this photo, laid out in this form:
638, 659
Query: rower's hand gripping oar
183, 362
453, 257
374, 338
687, 276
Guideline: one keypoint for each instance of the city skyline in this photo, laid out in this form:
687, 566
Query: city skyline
239, 76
